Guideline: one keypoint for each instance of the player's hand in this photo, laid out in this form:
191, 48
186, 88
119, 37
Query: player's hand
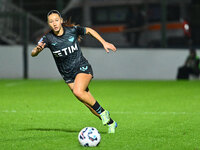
40, 46
108, 46
38, 49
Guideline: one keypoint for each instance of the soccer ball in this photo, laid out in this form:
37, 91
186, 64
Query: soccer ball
89, 137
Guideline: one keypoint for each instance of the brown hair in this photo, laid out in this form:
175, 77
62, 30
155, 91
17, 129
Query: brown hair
68, 23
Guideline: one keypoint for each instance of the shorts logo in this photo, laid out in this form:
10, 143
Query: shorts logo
68, 81
83, 68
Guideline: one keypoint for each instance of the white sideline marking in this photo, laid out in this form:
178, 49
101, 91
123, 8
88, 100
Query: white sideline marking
72, 112
13, 84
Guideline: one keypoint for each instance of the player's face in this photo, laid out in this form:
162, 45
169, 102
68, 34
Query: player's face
55, 22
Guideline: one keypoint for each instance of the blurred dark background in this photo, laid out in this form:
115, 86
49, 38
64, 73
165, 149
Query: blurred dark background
136, 23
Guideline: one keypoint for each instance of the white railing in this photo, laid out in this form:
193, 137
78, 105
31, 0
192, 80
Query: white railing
11, 26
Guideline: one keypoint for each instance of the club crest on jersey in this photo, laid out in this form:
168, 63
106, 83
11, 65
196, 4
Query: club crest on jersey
66, 51
71, 39
54, 44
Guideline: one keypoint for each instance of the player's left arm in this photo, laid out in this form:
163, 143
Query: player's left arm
107, 46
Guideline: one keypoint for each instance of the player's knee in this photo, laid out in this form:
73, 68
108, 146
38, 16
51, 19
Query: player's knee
78, 93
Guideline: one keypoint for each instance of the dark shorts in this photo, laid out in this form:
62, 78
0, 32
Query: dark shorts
87, 68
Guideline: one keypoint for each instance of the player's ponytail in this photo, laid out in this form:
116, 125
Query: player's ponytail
68, 23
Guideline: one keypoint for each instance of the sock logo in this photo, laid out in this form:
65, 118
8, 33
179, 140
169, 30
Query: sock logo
99, 110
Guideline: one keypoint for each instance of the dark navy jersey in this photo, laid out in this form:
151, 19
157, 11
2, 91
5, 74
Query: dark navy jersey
65, 49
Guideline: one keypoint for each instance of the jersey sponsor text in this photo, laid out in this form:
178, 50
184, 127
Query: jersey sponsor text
66, 51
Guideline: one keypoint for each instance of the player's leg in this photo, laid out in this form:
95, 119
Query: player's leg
80, 90
71, 86
81, 83
80, 87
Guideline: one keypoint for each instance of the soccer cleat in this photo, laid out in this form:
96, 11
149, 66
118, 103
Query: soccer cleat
105, 117
112, 127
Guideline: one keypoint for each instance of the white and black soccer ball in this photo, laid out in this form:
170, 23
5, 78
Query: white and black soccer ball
89, 137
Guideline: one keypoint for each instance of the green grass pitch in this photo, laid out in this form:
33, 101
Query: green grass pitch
151, 115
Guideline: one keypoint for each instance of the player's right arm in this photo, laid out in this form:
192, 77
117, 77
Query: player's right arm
38, 49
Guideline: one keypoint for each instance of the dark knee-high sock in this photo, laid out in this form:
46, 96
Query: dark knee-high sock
97, 107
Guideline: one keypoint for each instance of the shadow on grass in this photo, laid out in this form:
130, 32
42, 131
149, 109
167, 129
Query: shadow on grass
43, 137
19, 139
57, 130
48, 129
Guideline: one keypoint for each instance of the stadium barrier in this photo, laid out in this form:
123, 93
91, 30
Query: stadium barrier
126, 63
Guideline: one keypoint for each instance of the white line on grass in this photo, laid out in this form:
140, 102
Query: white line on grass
14, 84
114, 112
21, 82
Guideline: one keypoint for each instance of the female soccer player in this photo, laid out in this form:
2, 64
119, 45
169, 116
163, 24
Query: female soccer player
63, 41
